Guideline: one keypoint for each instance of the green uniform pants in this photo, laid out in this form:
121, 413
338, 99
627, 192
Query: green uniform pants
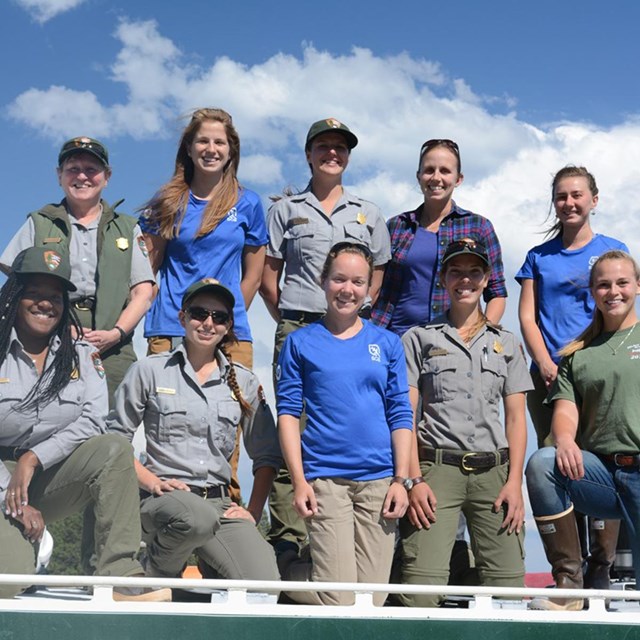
99, 473
425, 553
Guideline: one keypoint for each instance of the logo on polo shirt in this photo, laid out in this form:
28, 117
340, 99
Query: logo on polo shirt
232, 216
374, 350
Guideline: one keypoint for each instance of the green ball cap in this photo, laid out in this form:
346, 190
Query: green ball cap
332, 125
209, 285
44, 260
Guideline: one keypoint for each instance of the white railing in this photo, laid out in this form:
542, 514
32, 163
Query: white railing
258, 598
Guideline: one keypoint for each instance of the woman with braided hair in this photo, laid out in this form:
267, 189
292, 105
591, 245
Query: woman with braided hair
192, 401
54, 456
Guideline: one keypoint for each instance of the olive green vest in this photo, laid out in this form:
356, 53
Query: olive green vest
115, 246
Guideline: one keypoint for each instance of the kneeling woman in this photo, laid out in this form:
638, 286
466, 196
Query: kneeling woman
461, 367
191, 401
54, 456
349, 467
595, 401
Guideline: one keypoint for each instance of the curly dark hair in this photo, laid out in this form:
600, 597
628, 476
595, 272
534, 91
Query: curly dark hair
65, 361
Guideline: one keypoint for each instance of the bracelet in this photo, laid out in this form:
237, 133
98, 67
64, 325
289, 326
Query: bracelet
121, 331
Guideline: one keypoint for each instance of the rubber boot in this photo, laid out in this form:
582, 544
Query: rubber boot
559, 535
604, 540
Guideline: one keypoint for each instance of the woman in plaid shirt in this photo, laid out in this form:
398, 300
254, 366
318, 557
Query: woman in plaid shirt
411, 293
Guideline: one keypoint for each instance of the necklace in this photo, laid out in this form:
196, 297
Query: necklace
614, 351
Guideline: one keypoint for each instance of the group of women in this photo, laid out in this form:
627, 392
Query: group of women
380, 420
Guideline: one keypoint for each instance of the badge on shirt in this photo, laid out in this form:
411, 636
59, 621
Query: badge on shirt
437, 352
168, 390
497, 347
75, 374
361, 218
5, 380
52, 241
97, 363
122, 244
297, 221
143, 246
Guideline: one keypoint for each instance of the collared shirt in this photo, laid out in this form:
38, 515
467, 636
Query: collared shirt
301, 234
461, 387
458, 224
190, 428
83, 255
55, 430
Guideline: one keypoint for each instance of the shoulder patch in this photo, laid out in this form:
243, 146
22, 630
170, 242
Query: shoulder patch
97, 363
143, 246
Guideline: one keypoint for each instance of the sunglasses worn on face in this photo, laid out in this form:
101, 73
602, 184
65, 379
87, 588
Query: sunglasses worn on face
200, 314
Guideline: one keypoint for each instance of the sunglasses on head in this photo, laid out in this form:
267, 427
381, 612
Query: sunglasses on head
200, 314
440, 142
80, 143
465, 243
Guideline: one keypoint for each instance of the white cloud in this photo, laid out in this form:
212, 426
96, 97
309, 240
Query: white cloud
43, 10
261, 169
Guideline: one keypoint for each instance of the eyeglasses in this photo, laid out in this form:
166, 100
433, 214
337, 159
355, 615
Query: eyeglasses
200, 314
440, 142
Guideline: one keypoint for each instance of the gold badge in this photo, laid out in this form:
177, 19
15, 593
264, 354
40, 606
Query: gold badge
75, 374
361, 218
497, 347
122, 244
5, 380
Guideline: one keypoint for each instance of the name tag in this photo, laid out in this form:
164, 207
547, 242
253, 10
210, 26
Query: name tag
437, 352
297, 221
5, 380
52, 240
167, 390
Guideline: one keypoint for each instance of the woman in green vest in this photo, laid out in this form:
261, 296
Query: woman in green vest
109, 262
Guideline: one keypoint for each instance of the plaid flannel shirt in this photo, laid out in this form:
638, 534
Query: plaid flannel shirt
458, 224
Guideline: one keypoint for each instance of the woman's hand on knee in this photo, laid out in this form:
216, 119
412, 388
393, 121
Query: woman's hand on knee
304, 500
17, 497
33, 523
236, 511
422, 506
569, 459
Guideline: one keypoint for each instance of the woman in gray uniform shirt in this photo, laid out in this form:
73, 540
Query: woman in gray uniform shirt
191, 402
463, 367
54, 456
302, 229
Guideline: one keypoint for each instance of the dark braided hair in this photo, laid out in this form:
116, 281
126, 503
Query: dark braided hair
232, 379
65, 361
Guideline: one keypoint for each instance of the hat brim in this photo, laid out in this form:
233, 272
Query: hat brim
217, 290
67, 154
68, 285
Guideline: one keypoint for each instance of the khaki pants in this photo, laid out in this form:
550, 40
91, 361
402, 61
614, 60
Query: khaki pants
242, 353
425, 553
99, 473
179, 523
349, 540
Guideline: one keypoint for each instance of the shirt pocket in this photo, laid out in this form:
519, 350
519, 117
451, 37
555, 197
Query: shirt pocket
355, 232
439, 379
71, 400
493, 375
13, 423
225, 429
304, 240
172, 418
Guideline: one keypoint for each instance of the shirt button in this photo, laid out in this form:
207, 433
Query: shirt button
469, 418
201, 461
469, 374
201, 440
468, 395
203, 419
434, 307
470, 439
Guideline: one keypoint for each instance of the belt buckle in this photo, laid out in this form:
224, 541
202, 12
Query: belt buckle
79, 307
205, 492
615, 459
463, 462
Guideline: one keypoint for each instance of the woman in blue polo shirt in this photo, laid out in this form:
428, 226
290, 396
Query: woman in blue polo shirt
202, 223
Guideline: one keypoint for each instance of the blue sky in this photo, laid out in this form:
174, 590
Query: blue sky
525, 88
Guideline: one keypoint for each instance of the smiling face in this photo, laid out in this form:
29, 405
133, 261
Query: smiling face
205, 333
328, 155
82, 178
573, 201
40, 308
615, 286
209, 150
438, 175
347, 284
465, 277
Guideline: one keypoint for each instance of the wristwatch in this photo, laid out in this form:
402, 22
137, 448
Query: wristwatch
407, 483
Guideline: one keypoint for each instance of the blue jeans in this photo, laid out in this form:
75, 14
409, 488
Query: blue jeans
606, 491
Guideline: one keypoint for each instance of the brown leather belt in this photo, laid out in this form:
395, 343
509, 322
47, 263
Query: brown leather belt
466, 460
207, 493
623, 459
